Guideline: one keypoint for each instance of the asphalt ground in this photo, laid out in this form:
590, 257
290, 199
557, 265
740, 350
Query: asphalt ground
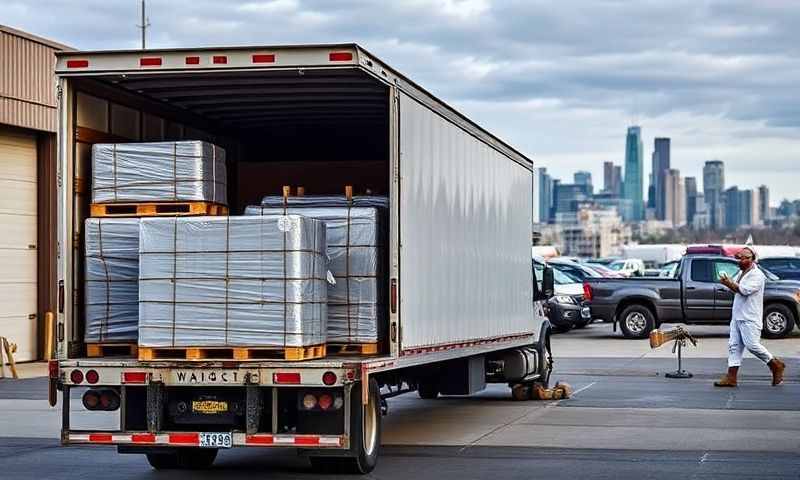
625, 421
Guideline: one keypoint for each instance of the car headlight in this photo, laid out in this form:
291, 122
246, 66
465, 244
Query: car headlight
564, 299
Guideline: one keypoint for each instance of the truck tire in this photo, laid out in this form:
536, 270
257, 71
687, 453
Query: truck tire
778, 321
636, 321
365, 436
428, 390
183, 458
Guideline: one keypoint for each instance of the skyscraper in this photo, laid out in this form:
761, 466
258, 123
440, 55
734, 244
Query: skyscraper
739, 207
584, 178
608, 177
763, 204
713, 187
634, 175
661, 163
675, 198
690, 185
545, 195
618, 180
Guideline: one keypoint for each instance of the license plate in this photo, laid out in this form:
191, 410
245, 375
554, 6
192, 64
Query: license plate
216, 440
209, 407
211, 377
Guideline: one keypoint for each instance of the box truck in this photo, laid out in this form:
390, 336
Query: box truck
464, 306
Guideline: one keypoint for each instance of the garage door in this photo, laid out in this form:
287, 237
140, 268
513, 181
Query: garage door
18, 241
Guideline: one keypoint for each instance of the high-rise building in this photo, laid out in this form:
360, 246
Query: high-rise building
763, 204
618, 180
675, 198
545, 195
690, 185
634, 174
661, 163
608, 177
713, 187
584, 178
739, 207
567, 197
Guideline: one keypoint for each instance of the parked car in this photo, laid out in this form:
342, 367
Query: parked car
604, 271
669, 269
785, 268
694, 296
576, 270
629, 267
566, 309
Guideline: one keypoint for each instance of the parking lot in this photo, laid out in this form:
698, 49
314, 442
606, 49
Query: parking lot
625, 420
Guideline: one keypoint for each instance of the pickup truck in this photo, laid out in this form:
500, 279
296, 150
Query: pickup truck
692, 296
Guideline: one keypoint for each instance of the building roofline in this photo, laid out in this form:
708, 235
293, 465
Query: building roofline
34, 38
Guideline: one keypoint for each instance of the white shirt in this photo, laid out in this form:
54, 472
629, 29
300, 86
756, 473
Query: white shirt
748, 304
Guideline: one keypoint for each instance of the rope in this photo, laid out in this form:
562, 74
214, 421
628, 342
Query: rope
227, 259
104, 320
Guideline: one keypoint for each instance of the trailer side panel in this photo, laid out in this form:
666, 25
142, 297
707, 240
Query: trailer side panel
465, 235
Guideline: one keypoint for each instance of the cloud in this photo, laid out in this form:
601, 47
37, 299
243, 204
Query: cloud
559, 80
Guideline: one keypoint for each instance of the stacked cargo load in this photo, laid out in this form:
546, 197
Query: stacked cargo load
144, 175
111, 282
232, 287
130, 181
356, 238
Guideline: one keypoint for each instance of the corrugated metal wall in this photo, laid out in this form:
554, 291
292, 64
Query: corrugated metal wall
27, 82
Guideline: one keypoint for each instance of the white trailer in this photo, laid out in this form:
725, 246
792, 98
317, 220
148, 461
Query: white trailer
654, 255
464, 308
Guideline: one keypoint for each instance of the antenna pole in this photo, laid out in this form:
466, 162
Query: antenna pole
143, 26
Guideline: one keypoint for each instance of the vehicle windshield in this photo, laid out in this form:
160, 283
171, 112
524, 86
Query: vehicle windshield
770, 276
559, 277
616, 266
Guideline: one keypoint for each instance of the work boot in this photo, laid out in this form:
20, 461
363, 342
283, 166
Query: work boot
729, 380
777, 367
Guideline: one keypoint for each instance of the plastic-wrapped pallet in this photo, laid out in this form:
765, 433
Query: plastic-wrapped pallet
184, 171
357, 305
232, 282
112, 280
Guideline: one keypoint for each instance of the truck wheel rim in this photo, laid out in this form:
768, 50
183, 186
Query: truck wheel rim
370, 427
776, 322
635, 322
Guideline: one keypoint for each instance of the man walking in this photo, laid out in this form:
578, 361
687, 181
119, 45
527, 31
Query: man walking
746, 321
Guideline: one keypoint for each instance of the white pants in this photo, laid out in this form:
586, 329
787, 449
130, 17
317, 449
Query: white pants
745, 334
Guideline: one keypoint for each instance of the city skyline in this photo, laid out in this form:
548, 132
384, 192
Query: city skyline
558, 81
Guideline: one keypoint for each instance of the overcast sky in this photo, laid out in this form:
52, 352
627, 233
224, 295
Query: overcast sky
560, 80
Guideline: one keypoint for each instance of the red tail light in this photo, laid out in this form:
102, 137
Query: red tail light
587, 292
76, 377
284, 377
92, 376
77, 63
192, 60
134, 377
325, 401
264, 58
219, 59
329, 378
340, 56
150, 62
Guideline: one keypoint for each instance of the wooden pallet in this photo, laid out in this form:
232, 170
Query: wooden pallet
111, 349
233, 353
157, 209
354, 348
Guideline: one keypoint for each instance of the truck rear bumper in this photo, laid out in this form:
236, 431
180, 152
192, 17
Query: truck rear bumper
604, 312
192, 439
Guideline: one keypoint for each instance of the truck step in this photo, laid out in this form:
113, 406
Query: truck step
94, 350
354, 348
157, 209
232, 353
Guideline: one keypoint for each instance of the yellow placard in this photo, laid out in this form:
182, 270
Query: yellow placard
209, 406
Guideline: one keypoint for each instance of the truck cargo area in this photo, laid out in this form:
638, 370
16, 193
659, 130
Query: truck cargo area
316, 130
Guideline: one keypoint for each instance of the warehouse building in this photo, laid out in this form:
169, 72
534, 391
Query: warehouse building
28, 189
